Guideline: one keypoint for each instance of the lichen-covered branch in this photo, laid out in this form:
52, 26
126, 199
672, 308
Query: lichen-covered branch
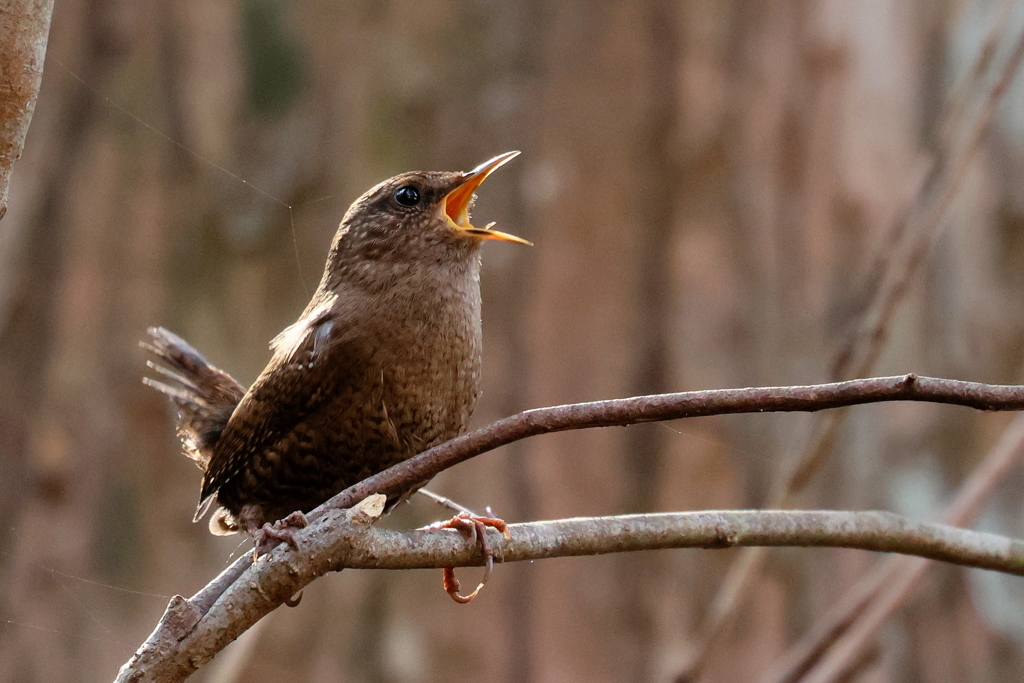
24, 30
185, 640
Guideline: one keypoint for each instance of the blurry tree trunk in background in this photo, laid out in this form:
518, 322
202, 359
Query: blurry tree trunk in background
706, 183
24, 29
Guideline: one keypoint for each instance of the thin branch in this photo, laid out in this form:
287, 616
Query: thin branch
345, 539
661, 407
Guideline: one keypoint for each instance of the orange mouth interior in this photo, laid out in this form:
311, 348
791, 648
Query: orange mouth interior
457, 202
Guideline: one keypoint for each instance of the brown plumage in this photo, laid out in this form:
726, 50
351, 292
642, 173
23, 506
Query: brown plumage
383, 363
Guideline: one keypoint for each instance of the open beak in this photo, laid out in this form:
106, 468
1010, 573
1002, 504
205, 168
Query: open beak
456, 203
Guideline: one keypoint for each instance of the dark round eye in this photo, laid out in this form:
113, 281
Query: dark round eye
407, 195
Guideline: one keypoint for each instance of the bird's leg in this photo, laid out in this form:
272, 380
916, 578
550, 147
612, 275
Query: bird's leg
269, 536
475, 527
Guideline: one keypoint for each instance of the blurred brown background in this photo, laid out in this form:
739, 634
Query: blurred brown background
709, 185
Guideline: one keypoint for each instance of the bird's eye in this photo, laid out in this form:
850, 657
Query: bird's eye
407, 195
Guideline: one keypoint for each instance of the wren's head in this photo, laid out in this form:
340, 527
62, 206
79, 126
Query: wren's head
421, 217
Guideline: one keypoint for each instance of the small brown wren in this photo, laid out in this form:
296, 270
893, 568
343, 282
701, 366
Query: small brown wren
383, 363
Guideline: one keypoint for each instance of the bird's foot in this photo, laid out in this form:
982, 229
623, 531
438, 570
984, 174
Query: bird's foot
282, 531
475, 527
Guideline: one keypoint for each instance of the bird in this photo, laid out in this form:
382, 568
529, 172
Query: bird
383, 363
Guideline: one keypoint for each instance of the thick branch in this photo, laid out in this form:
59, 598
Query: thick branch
374, 548
183, 641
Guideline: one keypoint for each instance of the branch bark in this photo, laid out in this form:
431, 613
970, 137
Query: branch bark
24, 30
193, 630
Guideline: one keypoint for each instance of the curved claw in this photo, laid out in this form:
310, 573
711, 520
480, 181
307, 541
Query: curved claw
476, 527
452, 587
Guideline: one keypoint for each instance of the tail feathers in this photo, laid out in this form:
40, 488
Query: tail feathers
204, 395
